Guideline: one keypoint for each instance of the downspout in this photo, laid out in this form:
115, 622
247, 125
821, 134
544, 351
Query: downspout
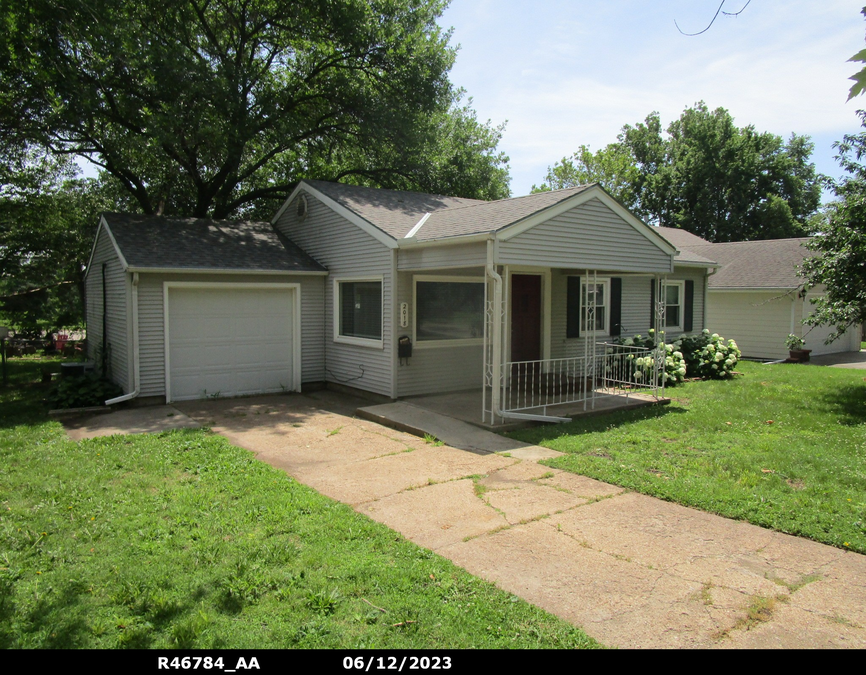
496, 326
135, 357
395, 323
710, 272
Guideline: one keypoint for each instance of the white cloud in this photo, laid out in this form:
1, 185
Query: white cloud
567, 73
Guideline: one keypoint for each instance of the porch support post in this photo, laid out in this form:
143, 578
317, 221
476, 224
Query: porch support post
496, 327
659, 326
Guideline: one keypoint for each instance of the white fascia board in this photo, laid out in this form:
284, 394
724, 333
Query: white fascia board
219, 270
349, 215
594, 192
93, 247
103, 225
752, 289
695, 263
445, 241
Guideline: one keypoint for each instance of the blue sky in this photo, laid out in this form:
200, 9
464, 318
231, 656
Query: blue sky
565, 73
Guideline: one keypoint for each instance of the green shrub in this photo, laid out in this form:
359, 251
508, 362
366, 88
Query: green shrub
675, 366
708, 356
703, 355
82, 392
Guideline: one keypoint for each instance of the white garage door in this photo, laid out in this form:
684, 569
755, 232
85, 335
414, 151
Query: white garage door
230, 341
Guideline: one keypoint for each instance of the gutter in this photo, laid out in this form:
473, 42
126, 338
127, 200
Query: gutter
135, 354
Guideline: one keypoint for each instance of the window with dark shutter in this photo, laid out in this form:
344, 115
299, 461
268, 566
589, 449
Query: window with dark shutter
572, 327
689, 309
616, 306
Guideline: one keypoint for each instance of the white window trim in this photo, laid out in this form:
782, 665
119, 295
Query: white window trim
605, 281
435, 344
370, 343
682, 305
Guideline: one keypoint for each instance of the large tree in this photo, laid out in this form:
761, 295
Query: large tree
840, 261
46, 228
218, 107
705, 175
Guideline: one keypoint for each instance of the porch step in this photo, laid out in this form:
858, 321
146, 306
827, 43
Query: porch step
456, 433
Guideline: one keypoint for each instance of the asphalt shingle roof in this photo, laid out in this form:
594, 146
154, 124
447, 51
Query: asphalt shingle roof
683, 240
768, 263
396, 212
160, 242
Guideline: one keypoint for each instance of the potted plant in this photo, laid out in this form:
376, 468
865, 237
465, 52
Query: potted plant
795, 343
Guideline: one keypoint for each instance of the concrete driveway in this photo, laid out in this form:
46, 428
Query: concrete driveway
856, 360
631, 570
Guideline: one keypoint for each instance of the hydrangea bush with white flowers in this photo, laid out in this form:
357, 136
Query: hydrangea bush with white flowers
708, 356
704, 355
675, 365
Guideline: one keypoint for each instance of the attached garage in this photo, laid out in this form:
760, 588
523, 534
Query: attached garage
204, 308
231, 339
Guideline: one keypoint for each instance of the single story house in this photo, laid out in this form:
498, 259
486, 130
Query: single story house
392, 293
757, 298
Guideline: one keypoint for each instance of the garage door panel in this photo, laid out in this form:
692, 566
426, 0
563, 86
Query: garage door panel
230, 342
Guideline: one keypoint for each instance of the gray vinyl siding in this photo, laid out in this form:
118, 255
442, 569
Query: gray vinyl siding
589, 236
635, 318
347, 252
433, 370
432, 257
151, 325
118, 288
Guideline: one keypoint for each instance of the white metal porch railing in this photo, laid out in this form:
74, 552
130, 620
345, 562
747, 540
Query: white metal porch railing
530, 388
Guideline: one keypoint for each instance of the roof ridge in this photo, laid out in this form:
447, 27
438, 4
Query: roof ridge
509, 199
751, 241
186, 219
405, 192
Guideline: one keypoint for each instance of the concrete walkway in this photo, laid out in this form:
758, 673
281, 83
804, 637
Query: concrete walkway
856, 360
631, 570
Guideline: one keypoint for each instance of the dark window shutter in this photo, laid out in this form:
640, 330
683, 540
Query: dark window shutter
615, 306
652, 322
572, 323
688, 310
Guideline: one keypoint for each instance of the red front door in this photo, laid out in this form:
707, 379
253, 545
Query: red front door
525, 317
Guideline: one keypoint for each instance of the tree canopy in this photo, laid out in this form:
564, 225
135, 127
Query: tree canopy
46, 229
218, 107
840, 261
704, 175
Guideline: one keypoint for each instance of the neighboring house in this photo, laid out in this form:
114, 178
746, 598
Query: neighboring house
756, 296
346, 278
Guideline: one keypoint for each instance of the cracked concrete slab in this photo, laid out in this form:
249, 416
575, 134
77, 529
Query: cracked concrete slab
438, 515
631, 570
531, 500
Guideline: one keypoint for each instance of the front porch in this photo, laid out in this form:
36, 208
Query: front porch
453, 419
532, 374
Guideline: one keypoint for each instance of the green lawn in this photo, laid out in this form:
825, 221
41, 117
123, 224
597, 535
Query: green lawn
181, 539
783, 446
